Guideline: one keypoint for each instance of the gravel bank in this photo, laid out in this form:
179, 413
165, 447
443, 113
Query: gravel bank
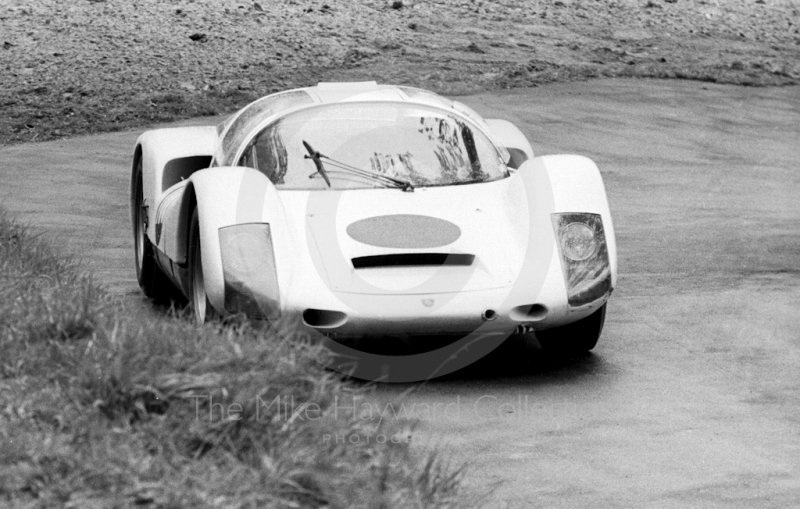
102, 65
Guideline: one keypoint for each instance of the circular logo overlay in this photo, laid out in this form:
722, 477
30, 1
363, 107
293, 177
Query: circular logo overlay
402, 263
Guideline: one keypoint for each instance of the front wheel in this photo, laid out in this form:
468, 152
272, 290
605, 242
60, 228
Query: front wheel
575, 338
202, 310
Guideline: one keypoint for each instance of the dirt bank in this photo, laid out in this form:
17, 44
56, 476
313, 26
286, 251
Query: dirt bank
103, 65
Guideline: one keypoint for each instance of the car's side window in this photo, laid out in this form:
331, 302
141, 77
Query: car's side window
268, 154
249, 158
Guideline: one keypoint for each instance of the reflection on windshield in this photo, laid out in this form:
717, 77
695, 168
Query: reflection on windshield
420, 145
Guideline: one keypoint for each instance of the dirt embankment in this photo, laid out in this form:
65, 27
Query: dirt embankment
99, 65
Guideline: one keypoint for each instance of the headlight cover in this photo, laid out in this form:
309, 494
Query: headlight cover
584, 256
248, 266
578, 241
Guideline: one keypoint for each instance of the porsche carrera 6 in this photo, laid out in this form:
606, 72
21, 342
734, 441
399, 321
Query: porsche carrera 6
368, 209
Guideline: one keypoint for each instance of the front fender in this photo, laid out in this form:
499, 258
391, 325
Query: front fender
577, 186
227, 196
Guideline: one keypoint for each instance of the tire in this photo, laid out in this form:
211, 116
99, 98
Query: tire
202, 310
152, 281
575, 338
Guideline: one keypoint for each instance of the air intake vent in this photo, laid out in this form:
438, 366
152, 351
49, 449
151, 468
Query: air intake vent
412, 259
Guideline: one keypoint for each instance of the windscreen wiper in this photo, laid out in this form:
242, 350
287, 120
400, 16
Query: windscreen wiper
315, 156
352, 170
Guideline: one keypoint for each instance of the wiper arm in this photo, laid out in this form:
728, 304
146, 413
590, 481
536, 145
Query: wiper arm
398, 183
315, 156
346, 168
385, 179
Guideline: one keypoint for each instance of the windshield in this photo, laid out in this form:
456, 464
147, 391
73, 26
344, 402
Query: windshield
419, 145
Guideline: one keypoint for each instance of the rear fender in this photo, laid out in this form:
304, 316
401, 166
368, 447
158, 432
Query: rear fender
226, 196
509, 135
169, 156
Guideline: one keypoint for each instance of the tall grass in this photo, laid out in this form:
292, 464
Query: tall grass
101, 410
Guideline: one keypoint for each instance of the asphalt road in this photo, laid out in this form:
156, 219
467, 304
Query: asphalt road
692, 397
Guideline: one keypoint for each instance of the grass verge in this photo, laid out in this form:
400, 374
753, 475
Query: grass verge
98, 410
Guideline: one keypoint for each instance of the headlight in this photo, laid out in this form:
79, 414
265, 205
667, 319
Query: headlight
248, 266
584, 255
578, 241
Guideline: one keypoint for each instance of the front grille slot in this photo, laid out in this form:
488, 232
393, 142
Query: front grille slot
412, 260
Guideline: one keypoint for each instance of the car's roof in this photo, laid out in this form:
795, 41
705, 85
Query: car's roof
239, 126
347, 91
324, 93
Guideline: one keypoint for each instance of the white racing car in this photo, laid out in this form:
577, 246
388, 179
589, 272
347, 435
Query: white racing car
368, 209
